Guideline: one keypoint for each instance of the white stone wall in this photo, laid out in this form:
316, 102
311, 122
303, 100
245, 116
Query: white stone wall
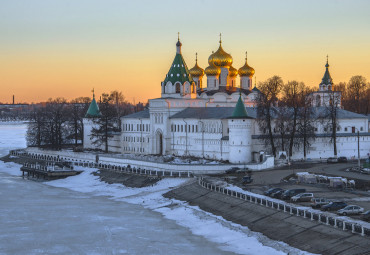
135, 136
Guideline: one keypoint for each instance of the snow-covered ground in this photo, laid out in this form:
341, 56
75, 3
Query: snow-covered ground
226, 236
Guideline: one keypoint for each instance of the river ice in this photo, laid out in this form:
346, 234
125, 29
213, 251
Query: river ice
82, 215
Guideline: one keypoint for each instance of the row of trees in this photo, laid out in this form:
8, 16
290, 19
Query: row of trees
355, 94
58, 122
286, 116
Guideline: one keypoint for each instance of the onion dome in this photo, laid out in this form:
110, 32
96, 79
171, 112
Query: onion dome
327, 77
246, 70
212, 70
196, 71
221, 58
233, 71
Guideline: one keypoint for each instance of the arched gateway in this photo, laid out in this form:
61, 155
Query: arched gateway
159, 142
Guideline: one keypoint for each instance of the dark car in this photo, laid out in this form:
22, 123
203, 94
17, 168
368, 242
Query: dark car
247, 179
270, 191
277, 194
232, 170
342, 160
366, 215
288, 194
333, 206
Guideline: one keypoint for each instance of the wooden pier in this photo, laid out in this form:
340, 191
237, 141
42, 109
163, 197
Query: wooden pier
47, 172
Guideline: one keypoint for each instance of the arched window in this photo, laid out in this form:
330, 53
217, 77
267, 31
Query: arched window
177, 87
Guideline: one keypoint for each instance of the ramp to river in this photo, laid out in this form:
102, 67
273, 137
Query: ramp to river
301, 233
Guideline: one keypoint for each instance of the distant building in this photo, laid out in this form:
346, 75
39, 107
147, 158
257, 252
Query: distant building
217, 121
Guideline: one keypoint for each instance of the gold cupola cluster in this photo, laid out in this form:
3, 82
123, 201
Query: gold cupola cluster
218, 60
246, 70
196, 71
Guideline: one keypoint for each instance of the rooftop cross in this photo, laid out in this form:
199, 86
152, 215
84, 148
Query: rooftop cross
178, 36
93, 91
220, 39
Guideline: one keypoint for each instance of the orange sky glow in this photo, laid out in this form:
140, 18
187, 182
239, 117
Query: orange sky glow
46, 53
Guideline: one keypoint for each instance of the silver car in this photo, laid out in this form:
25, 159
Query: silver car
302, 197
350, 209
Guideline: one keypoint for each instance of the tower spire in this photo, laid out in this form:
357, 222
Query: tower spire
178, 44
220, 39
93, 91
196, 57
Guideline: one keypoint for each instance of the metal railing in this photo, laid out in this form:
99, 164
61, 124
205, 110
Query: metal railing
323, 218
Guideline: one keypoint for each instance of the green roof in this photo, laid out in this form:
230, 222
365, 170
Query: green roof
93, 110
327, 78
239, 110
178, 72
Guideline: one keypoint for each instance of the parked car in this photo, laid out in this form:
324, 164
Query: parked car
247, 179
365, 171
350, 210
319, 202
277, 194
271, 191
342, 160
366, 215
288, 194
332, 160
232, 170
333, 206
302, 197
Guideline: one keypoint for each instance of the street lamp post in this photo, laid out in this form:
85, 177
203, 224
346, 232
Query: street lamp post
358, 147
358, 144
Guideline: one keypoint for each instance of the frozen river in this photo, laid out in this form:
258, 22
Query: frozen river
81, 215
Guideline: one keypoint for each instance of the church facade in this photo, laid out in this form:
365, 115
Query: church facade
217, 120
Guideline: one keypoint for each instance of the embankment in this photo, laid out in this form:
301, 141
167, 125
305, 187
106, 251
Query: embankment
300, 233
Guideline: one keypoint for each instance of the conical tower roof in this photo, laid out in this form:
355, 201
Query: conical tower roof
327, 77
239, 110
179, 71
93, 111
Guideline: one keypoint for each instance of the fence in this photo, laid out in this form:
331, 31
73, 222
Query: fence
115, 167
291, 209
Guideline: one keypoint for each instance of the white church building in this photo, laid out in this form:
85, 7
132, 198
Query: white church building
217, 120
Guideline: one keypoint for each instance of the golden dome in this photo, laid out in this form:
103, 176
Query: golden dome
212, 70
246, 70
196, 71
221, 58
233, 72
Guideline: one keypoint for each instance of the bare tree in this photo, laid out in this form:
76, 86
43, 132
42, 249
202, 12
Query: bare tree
329, 118
265, 101
356, 88
77, 109
306, 121
291, 98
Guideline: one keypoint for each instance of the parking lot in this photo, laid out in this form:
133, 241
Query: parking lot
285, 178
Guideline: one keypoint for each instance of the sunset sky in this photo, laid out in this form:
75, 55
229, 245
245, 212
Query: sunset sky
65, 48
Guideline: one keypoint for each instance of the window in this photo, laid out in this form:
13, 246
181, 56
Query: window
345, 129
315, 129
177, 87
361, 129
